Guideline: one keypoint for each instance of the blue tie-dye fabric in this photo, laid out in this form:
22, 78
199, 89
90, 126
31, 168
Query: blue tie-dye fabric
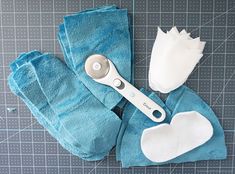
64, 106
103, 31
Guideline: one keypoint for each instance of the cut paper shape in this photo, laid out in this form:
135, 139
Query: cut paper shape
174, 56
186, 131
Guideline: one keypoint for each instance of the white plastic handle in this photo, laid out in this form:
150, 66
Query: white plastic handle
152, 110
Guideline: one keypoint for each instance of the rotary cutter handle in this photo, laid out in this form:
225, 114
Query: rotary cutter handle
103, 71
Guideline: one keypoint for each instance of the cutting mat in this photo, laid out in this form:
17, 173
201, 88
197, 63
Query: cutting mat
25, 147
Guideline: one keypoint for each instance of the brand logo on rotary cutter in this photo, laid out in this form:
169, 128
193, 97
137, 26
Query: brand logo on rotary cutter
145, 104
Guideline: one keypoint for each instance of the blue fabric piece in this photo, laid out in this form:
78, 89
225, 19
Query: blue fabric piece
129, 109
103, 31
64, 106
181, 100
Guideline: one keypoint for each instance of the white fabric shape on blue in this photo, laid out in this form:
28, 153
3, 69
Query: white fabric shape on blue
174, 56
187, 130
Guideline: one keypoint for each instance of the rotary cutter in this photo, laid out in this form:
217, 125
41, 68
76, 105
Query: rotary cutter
103, 71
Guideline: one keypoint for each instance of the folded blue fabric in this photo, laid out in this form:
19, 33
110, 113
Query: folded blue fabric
103, 31
128, 112
64, 106
181, 100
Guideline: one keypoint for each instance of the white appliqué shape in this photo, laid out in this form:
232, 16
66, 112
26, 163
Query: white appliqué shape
186, 131
174, 56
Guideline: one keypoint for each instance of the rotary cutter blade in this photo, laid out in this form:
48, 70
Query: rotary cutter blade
103, 71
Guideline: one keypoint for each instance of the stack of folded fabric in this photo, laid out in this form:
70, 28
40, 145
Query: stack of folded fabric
64, 106
77, 111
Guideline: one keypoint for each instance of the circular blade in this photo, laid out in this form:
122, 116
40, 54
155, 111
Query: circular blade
97, 66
